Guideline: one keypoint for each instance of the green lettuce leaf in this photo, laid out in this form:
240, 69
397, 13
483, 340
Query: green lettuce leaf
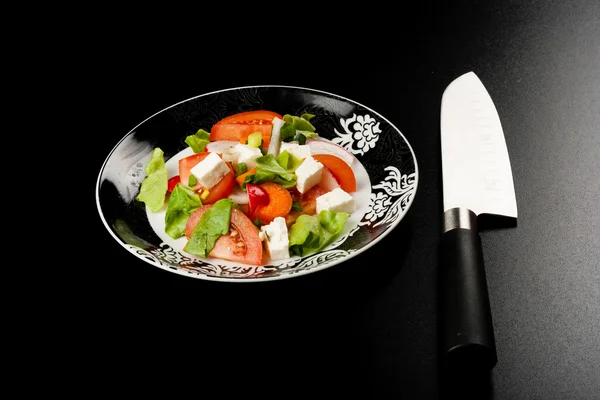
198, 141
288, 161
310, 233
297, 128
212, 225
153, 190
268, 169
182, 202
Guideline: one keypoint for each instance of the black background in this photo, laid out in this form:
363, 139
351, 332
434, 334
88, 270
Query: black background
367, 329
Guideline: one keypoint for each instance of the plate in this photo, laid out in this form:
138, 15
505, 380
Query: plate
384, 164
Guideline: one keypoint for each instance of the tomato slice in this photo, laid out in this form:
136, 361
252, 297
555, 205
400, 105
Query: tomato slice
186, 164
219, 191
238, 126
222, 189
251, 117
242, 244
340, 169
240, 132
308, 201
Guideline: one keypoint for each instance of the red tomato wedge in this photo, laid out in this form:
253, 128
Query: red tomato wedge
242, 244
217, 192
186, 164
238, 126
340, 169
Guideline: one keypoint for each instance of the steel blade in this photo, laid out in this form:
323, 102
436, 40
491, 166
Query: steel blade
476, 169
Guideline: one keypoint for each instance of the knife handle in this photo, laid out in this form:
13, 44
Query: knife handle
467, 336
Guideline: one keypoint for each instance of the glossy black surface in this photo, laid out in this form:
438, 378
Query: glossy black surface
338, 335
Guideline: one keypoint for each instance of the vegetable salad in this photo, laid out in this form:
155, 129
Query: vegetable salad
258, 186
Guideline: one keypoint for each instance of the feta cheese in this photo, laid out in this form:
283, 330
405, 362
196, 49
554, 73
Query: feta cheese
308, 174
294, 148
226, 148
210, 170
221, 146
276, 239
246, 154
328, 181
337, 200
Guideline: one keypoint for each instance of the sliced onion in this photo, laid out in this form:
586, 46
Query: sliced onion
238, 195
275, 141
324, 146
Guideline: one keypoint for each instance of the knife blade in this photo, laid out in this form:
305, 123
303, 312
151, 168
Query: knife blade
477, 179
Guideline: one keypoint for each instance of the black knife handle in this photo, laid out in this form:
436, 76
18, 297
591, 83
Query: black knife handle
467, 335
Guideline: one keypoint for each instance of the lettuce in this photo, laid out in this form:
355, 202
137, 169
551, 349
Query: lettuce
212, 225
153, 190
310, 233
268, 169
198, 141
297, 128
182, 202
288, 161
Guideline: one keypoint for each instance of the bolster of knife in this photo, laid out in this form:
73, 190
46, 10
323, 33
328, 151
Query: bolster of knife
467, 335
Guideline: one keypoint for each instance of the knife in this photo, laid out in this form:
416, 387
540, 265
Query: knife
477, 179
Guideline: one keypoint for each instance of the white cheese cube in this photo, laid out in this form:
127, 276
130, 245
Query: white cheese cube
210, 170
276, 239
246, 154
294, 148
308, 174
337, 200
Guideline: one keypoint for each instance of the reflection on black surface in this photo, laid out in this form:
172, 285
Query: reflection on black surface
273, 335
352, 281
461, 382
462, 375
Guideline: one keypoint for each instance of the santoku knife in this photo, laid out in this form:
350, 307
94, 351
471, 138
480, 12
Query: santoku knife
477, 179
